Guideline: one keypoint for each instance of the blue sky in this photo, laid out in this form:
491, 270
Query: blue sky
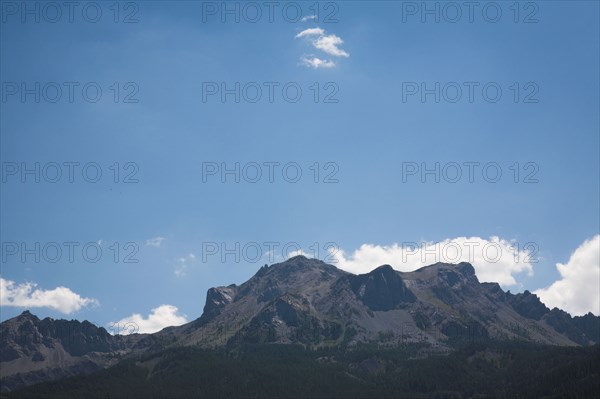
370, 57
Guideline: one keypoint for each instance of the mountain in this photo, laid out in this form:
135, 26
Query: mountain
309, 302
34, 350
306, 302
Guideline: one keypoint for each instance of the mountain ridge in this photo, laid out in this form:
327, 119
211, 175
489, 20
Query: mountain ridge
311, 303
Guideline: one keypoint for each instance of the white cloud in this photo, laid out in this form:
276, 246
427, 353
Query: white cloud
308, 18
578, 290
155, 242
329, 44
494, 259
315, 62
310, 32
159, 318
183, 263
26, 295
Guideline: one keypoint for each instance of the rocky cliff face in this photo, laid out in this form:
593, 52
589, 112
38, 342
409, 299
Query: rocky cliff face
308, 302
381, 289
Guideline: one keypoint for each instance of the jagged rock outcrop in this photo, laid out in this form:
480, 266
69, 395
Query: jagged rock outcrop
381, 289
528, 305
217, 299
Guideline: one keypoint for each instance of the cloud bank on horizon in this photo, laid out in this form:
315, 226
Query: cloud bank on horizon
577, 291
159, 318
494, 260
27, 295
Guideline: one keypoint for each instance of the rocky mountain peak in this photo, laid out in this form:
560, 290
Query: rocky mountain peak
299, 263
27, 315
294, 272
529, 305
463, 268
447, 274
385, 269
466, 268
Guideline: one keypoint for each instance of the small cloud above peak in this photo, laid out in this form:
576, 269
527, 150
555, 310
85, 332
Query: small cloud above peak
327, 43
308, 18
315, 62
310, 32
155, 242
183, 263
